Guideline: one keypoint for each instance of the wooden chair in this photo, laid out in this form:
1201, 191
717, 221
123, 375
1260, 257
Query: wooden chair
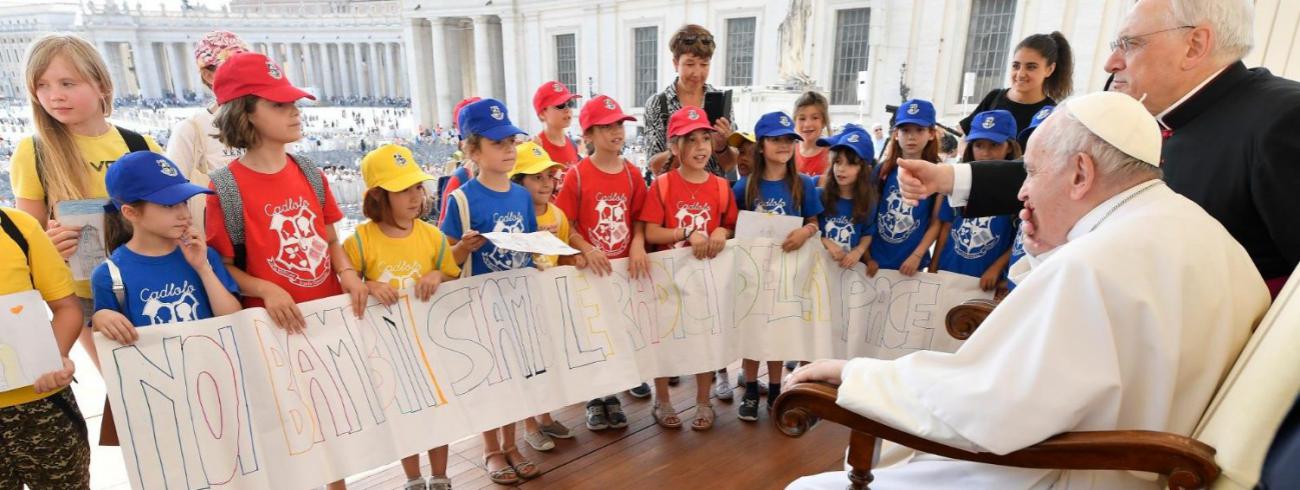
1226, 450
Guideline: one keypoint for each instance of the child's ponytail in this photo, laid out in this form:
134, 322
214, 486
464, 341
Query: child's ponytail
1056, 50
117, 230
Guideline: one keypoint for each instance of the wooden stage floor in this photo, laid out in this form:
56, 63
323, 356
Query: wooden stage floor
734, 454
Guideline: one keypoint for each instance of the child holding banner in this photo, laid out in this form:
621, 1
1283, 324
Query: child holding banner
396, 250
159, 270
689, 207
980, 247
604, 193
537, 173
905, 232
71, 95
42, 433
775, 187
849, 198
279, 240
490, 203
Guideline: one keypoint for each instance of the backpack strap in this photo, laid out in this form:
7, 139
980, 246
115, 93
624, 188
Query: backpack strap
361, 254
314, 177
442, 250
232, 212
11, 229
462, 205
722, 191
119, 288
134, 141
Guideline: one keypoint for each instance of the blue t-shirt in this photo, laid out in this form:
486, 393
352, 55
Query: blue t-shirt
159, 290
1017, 252
774, 197
899, 226
510, 211
974, 243
837, 224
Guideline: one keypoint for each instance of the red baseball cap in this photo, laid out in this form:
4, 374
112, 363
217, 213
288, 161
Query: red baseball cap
551, 93
455, 113
252, 73
600, 111
686, 120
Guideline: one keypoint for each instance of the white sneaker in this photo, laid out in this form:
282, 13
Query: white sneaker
439, 483
416, 484
722, 389
539, 441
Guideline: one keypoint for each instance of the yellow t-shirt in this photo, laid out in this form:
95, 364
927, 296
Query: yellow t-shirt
553, 215
400, 262
48, 271
99, 151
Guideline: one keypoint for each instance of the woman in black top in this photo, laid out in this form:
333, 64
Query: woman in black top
1041, 72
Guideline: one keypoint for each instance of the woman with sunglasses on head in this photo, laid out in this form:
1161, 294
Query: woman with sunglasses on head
692, 47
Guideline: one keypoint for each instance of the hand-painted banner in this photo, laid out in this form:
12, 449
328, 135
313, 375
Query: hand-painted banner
236, 402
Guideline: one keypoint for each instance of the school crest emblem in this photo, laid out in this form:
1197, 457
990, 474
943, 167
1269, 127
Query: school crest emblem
611, 233
557, 87
840, 230
537, 152
974, 238
693, 216
609, 104
273, 70
989, 122
399, 159
854, 138
166, 168
692, 115
500, 259
785, 121
303, 255
497, 113
895, 221
913, 109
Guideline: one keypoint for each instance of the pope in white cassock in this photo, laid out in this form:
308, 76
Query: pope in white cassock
1131, 307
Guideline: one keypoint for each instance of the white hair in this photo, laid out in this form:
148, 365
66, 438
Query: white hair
1068, 136
1233, 23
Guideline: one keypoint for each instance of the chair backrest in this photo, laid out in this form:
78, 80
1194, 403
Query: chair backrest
1257, 393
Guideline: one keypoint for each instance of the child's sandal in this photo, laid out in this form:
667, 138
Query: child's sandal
524, 468
704, 420
503, 476
668, 419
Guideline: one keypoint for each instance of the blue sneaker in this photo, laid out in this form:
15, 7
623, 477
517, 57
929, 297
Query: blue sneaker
642, 391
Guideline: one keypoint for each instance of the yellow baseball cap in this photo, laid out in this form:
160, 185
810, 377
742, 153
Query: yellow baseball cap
738, 136
531, 159
392, 168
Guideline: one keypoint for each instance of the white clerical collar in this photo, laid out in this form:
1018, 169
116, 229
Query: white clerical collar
1090, 221
1160, 118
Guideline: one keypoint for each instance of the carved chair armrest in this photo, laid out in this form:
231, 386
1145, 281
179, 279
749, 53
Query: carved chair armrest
1186, 462
963, 319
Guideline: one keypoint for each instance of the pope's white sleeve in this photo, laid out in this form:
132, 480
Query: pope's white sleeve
961, 181
872, 389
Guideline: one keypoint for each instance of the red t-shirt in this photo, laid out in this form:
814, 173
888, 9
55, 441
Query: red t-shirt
284, 232
566, 153
602, 206
703, 206
813, 166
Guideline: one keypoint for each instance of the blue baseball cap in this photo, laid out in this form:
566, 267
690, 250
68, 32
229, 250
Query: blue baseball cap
1039, 117
489, 118
853, 137
915, 111
774, 124
997, 126
147, 176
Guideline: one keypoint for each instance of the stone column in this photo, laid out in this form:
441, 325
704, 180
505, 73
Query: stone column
390, 56
359, 69
512, 74
374, 67
345, 70
146, 68
174, 70
329, 78
483, 83
440, 68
